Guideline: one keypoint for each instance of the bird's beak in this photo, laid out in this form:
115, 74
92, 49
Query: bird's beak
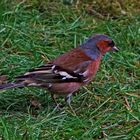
115, 49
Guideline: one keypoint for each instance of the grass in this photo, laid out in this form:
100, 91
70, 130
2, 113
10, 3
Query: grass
108, 108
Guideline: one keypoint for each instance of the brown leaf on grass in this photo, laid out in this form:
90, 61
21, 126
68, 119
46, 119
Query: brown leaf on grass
35, 103
3, 79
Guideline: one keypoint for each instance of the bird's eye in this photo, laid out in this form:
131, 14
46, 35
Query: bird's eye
111, 44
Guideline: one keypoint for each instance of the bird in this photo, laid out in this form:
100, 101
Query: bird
68, 72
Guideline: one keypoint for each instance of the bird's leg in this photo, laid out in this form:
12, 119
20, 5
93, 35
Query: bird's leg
68, 98
55, 101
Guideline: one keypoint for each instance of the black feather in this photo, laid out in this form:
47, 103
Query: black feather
51, 74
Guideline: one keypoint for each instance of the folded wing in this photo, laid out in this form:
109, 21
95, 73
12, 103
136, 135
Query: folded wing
51, 73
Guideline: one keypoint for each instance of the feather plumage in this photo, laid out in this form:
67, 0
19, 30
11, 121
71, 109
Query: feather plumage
51, 74
68, 72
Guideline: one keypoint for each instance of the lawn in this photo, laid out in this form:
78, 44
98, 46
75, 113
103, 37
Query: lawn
32, 33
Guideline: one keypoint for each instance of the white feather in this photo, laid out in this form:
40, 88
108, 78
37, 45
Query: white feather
65, 74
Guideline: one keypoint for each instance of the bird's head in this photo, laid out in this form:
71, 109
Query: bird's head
98, 45
104, 43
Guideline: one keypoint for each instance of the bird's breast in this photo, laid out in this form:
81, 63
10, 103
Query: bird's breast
91, 70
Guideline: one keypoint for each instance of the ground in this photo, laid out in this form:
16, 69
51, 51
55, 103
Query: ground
32, 33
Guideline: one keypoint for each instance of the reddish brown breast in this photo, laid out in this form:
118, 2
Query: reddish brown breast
92, 69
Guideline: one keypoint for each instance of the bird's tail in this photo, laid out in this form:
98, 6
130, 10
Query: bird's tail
12, 85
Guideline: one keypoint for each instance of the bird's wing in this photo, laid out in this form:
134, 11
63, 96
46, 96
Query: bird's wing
51, 73
68, 67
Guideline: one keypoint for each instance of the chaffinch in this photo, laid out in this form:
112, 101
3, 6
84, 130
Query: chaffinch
71, 70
